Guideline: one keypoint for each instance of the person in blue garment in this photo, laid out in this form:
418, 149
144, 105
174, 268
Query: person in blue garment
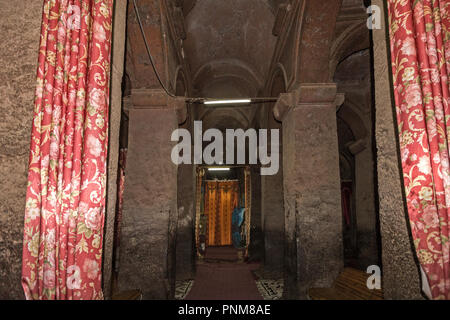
236, 222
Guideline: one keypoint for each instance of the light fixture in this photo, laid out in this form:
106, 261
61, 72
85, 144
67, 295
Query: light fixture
227, 101
219, 169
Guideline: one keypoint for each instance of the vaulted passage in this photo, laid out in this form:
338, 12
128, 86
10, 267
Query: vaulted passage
248, 150
298, 226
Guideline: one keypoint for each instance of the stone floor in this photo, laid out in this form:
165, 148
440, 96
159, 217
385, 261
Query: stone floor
222, 276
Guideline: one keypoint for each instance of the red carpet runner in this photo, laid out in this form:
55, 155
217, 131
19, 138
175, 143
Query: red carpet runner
221, 277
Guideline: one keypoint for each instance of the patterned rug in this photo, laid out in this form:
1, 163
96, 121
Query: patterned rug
182, 288
270, 289
269, 284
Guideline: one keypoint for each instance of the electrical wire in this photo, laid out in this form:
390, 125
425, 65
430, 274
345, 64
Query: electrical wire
152, 62
189, 100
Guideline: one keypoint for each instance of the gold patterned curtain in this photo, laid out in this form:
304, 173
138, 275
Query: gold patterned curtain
221, 197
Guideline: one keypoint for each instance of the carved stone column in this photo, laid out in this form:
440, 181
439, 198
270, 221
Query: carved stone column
147, 259
185, 248
256, 248
312, 202
273, 217
401, 277
118, 57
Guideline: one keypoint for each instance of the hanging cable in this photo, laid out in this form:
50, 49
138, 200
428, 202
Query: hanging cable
152, 62
189, 100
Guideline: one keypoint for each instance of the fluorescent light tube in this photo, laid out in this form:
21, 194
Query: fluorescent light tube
228, 101
218, 169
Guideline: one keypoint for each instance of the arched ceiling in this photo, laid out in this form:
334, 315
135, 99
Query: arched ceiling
189, 4
229, 45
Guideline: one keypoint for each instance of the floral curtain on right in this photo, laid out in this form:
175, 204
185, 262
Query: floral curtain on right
420, 54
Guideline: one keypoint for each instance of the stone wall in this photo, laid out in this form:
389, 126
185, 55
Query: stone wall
19, 42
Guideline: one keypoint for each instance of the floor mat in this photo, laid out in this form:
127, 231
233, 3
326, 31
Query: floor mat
270, 289
182, 289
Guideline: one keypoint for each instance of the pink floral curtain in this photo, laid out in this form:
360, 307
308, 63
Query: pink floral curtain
420, 47
65, 201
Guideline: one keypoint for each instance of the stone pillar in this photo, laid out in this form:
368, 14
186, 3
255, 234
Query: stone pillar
117, 66
273, 218
401, 277
312, 204
147, 248
256, 247
185, 248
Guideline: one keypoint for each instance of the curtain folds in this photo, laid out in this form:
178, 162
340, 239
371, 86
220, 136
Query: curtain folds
420, 53
65, 202
220, 200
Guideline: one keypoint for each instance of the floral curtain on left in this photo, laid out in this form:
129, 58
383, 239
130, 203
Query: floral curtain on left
65, 202
420, 46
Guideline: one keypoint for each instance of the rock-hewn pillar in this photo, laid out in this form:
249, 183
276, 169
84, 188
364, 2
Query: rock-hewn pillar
117, 66
256, 249
147, 259
273, 219
400, 273
185, 248
312, 204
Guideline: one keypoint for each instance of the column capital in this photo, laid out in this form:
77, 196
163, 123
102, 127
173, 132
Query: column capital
307, 94
357, 146
157, 99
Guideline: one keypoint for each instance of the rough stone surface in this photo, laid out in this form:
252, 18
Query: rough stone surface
150, 205
256, 247
313, 221
19, 43
273, 213
228, 48
117, 66
401, 277
185, 249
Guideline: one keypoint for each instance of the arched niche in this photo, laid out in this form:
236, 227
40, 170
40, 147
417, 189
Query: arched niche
353, 39
348, 186
353, 76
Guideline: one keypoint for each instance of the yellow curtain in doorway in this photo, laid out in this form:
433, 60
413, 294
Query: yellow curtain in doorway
221, 197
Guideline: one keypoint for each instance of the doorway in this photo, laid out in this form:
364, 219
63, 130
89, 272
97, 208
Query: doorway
223, 205
221, 199
222, 225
